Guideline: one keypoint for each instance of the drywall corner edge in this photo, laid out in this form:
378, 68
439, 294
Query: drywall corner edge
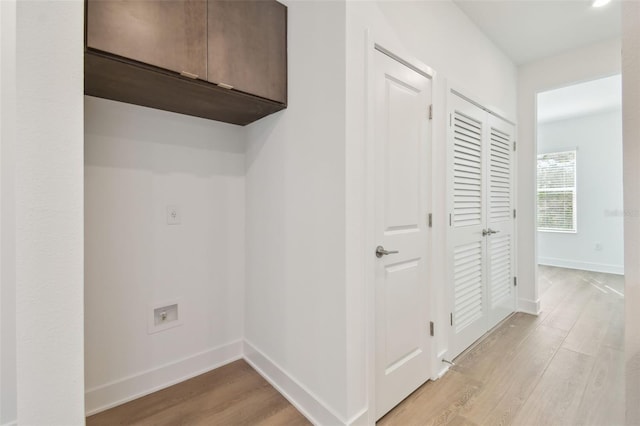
304, 400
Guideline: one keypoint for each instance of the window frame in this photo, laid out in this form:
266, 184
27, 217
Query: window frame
573, 190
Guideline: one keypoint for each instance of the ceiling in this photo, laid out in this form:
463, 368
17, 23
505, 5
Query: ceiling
527, 30
580, 99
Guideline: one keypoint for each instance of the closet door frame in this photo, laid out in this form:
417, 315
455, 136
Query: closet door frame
466, 252
491, 114
501, 290
377, 41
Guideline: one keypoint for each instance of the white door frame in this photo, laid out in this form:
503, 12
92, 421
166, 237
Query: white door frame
373, 43
455, 89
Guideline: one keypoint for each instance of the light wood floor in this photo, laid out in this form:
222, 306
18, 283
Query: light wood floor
564, 367
231, 395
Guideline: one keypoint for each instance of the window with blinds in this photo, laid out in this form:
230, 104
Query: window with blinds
557, 192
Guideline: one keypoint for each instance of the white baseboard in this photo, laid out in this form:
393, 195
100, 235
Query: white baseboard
118, 392
529, 306
304, 400
585, 266
13, 423
444, 370
360, 419
441, 367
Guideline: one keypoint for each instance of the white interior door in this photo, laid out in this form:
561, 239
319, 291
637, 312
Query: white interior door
500, 220
481, 245
466, 189
402, 145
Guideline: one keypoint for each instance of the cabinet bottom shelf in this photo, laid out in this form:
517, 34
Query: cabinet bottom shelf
120, 80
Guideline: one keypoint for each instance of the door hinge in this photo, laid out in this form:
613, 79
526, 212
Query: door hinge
449, 219
431, 329
431, 112
451, 318
430, 220
449, 120
514, 213
514, 145
515, 281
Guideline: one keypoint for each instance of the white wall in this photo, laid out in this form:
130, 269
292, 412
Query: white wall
305, 283
295, 216
49, 212
598, 139
631, 151
306, 306
137, 162
440, 35
8, 391
584, 64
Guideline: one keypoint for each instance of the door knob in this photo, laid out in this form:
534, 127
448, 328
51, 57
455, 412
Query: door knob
380, 251
488, 231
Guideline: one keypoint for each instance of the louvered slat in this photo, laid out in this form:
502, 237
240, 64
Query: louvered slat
467, 279
467, 171
500, 176
501, 274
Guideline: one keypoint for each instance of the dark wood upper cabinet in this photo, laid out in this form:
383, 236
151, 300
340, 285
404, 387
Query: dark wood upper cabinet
170, 34
224, 60
248, 46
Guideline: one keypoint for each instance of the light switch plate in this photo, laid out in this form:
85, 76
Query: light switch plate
173, 215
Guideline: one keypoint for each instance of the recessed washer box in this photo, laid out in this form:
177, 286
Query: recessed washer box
163, 316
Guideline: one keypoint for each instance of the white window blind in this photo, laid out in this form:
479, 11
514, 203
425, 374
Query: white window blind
557, 191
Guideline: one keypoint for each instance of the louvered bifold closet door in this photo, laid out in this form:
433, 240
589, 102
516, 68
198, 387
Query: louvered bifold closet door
500, 243
466, 189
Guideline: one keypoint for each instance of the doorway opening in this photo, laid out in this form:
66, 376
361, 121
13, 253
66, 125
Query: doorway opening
579, 184
580, 235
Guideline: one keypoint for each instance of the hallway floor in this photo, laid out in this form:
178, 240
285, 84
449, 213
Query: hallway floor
564, 367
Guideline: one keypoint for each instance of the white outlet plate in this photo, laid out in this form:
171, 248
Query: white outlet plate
174, 318
165, 314
173, 215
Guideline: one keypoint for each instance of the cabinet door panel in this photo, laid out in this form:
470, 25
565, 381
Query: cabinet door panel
248, 46
169, 34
